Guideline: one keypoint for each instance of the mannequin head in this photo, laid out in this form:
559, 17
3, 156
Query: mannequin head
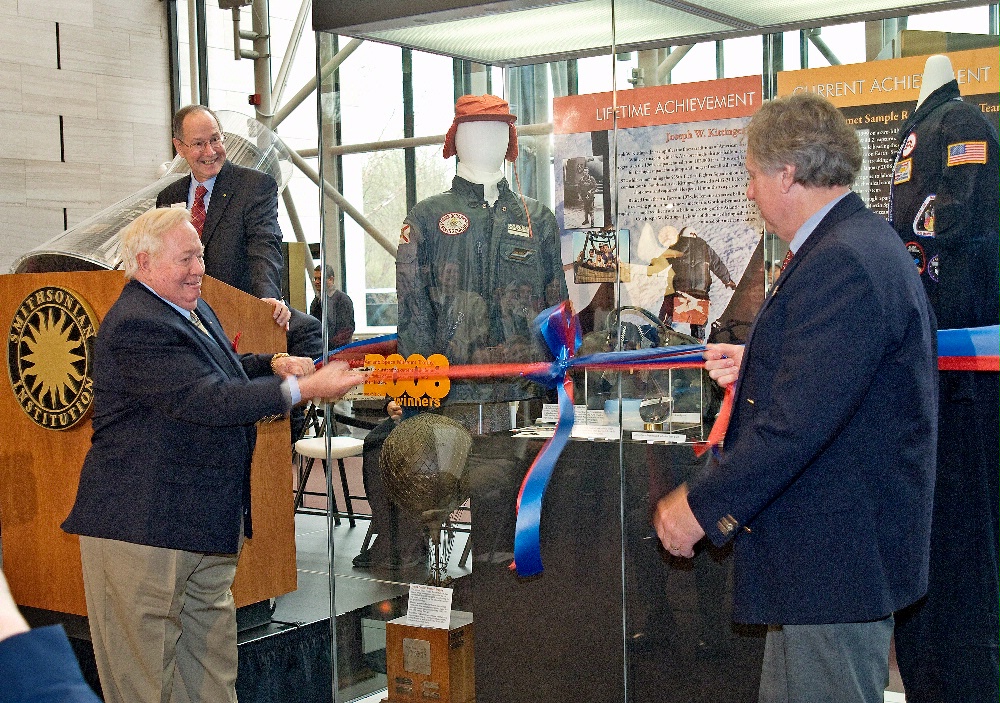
481, 146
482, 108
937, 72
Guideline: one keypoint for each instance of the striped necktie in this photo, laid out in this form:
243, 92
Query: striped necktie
784, 262
196, 321
198, 208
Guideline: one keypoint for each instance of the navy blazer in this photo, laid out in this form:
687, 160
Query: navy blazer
827, 472
241, 234
174, 414
40, 667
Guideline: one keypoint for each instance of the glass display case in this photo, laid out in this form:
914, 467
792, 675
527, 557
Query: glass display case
533, 279
632, 209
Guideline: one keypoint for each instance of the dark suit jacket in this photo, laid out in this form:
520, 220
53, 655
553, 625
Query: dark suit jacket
339, 317
174, 414
241, 235
827, 474
39, 667
305, 335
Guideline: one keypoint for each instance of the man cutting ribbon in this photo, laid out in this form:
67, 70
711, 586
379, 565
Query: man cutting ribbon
826, 477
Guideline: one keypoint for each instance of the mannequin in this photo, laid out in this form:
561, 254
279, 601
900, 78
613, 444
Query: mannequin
693, 266
476, 264
481, 147
937, 72
945, 207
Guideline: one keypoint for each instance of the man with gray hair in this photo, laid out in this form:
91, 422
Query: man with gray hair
164, 497
826, 477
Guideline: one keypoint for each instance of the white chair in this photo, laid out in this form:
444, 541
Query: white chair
313, 449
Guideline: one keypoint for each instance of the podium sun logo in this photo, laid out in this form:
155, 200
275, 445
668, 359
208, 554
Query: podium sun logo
49, 357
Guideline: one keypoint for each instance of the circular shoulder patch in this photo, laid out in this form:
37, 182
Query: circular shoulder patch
453, 223
933, 268
50, 353
919, 258
910, 144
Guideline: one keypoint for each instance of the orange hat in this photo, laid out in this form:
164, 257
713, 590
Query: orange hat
482, 108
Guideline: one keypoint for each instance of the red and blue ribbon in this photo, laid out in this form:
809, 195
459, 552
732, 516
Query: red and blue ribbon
961, 349
973, 349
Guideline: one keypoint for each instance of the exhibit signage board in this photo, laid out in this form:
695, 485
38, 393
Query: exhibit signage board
674, 155
879, 96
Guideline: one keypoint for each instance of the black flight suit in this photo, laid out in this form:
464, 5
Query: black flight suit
945, 207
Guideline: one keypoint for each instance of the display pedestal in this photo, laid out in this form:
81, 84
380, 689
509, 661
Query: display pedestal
428, 663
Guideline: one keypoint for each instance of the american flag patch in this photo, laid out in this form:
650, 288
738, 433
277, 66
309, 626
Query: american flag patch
967, 153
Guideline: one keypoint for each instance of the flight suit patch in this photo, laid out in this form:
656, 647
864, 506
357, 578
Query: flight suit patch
923, 223
966, 153
917, 252
903, 172
520, 254
518, 230
453, 223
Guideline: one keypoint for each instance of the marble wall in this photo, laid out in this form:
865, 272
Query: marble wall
84, 111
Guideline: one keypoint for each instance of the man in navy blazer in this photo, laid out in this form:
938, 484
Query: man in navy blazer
826, 478
240, 228
164, 497
37, 666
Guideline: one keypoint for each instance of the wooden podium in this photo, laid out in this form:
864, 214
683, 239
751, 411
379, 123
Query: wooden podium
40, 466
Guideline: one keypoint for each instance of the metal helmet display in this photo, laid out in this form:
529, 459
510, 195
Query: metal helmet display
424, 470
92, 245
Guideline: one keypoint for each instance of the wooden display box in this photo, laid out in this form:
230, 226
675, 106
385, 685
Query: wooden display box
430, 664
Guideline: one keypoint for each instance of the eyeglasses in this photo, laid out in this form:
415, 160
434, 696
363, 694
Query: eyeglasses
214, 141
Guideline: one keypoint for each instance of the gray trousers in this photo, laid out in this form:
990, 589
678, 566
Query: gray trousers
835, 663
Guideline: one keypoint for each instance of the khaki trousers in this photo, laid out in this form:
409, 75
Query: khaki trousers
163, 622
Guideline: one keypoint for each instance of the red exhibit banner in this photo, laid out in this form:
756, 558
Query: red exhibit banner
657, 105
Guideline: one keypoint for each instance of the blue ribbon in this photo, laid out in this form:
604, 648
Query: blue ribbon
560, 329
976, 341
351, 346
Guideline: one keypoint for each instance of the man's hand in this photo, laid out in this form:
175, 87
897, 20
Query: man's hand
11, 620
330, 382
286, 366
675, 524
394, 410
722, 361
281, 312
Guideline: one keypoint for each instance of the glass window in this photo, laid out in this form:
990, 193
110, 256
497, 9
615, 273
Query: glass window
743, 56
697, 65
972, 20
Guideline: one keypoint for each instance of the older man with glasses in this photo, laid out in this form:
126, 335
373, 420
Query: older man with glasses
234, 209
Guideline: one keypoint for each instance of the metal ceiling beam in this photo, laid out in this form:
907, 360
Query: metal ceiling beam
824, 48
674, 58
344, 204
290, 52
706, 13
